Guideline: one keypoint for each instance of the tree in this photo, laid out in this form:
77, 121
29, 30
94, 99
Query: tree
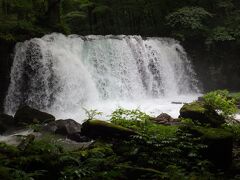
188, 21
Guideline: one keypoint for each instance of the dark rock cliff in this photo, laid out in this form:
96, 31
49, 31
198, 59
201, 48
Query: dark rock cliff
6, 59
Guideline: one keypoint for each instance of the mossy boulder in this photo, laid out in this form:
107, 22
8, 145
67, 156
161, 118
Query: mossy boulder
97, 128
199, 113
6, 122
219, 144
27, 115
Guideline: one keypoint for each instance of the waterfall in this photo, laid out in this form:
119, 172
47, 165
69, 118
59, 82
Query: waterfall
61, 74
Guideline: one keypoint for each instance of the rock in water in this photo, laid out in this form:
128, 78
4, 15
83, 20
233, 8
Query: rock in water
27, 115
199, 113
97, 128
69, 128
6, 122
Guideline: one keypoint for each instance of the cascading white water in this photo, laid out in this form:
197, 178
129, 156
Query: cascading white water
62, 74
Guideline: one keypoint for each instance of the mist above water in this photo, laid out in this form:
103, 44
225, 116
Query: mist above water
63, 74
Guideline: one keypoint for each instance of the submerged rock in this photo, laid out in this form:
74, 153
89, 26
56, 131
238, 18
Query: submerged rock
199, 113
6, 123
27, 115
97, 128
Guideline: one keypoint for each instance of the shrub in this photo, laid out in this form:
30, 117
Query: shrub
219, 101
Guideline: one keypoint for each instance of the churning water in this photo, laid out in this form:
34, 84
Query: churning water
64, 74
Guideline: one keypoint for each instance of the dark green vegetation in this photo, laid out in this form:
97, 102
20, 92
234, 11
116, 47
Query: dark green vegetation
211, 21
132, 146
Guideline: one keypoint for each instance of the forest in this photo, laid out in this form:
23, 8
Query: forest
207, 21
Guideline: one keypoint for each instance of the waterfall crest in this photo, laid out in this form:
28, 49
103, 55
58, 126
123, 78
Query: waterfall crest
58, 73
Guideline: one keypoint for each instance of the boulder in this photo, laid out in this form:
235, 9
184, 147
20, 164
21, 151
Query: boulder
165, 119
27, 115
219, 145
97, 128
201, 114
6, 123
69, 128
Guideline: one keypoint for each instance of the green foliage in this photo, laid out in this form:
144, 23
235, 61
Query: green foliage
8, 150
235, 129
133, 119
12, 174
210, 21
157, 152
140, 121
92, 113
219, 100
188, 17
188, 21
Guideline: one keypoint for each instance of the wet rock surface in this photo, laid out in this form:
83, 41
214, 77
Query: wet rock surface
6, 123
27, 115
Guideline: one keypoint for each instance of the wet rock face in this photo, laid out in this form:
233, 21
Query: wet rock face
27, 115
6, 50
69, 128
6, 122
63, 127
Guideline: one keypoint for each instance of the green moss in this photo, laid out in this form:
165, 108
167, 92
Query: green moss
106, 124
214, 133
97, 128
200, 113
194, 106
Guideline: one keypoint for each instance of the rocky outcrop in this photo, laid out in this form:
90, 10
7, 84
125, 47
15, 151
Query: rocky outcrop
6, 59
199, 113
97, 128
27, 115
6, 123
